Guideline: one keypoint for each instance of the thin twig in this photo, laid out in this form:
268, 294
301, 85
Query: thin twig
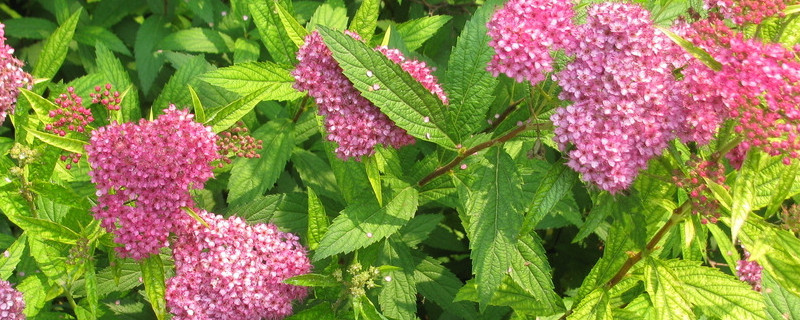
502, 117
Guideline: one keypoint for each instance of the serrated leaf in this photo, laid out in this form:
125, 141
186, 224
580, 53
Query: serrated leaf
404, 100
9, 262
247, 78
91, 286
113, 72
293, 29
148, 60
68, 144
666, 292
374, 177
197, 106
274, 37
469, 86
363, 307
416, 32
594, 306
197, 40
317, 220
437, 283
366, 19
556, 184
717, 294
40, 105
316, 174
397, 296
743, 191
781, 304
153, 278
252, 177
531, 271
226, 116
332, 14
492, 203
313, 280
419, 227
45, 229
54, 50
697, 52
174, 92
365, 222
33, 288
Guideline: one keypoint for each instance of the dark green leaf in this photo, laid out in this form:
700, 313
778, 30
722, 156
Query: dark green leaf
556, 184
93, 35
531, 272
317, 220
148, 60
224, 117
29, 28
174, 92
313, 280
245, 51
274, 37
197, 40
437, 283
417, 31
55, 48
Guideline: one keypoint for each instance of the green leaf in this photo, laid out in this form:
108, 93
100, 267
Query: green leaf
9, 262
153, 278
40, 105
313, 280
250, 77
556, 184
366, 19
404, 100
509, 294
91, 286
34, 291
666, 292
223, 118
113, 72
245, 51
332, 14
697, 52
148, 60
252, 177
398, 294
68, 144
743, 190
293, 29
469, 86
719, 295
438, 284
531, 271
29, 28
365, 222
45, 229
197, 106
418, 228
417, 31
55, 48
492, 203
317, 220
275, 39
93, 35
374, 177
363, 306
197, 40
317, 174
781, 304
174, 92
594, 306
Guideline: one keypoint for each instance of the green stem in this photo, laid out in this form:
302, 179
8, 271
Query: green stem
508, 136
511, 107
300, 110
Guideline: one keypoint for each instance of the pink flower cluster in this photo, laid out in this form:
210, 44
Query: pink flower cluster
12, 77
143, 174
11, 302
110, 100
230, 270
71, 115
749, 271
524, 32
748, 11
353, 122
624, 108
758, 85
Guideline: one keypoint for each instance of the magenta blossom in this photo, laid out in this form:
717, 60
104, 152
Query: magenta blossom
11, 302
12, 77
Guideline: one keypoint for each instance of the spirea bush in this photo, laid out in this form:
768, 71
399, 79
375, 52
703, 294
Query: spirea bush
387, 159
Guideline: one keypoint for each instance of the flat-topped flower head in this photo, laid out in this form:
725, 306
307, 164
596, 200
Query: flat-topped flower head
143, 174
11, 302
354, 123
232, 270
524, 32
12, 77
624, 107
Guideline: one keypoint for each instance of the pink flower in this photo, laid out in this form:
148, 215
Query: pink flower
354, 123
748, 11
749, 271
12, 77
625, 106
231, 270
11, 302
143, 174
524, 32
